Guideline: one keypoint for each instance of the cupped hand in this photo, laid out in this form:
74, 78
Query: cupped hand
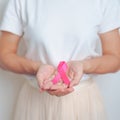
75, 73
45, 73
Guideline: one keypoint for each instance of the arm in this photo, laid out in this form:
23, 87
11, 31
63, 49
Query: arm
9, 60
109, 62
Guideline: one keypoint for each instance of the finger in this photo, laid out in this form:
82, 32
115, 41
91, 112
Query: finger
48, 83
74, 82
49, 80
65, 92
53, 92
62, 92
45, 71
70, 74
51, 77
45, 77
50, 92
58, 86
76, 79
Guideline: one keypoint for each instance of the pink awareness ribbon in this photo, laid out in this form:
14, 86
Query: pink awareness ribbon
62, 69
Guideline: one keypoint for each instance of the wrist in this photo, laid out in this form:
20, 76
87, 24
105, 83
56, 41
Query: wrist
86, 66
36, 66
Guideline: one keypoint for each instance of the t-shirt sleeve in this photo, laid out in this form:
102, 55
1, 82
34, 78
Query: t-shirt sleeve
110, 16
12, 21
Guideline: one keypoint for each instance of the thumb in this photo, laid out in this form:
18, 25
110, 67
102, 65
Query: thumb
76, 80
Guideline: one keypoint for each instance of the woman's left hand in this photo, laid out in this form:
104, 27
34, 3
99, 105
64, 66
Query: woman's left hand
74, 73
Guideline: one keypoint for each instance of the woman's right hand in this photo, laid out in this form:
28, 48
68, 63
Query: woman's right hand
45, 73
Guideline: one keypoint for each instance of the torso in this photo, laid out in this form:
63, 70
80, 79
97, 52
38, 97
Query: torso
61, 29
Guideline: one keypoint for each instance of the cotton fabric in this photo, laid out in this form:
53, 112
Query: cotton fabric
59, 30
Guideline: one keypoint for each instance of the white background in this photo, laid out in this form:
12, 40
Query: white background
10, 85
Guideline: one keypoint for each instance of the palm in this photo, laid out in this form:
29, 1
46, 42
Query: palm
75, 71
44, 73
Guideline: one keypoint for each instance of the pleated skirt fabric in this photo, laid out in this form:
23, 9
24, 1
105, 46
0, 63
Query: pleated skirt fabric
84, 103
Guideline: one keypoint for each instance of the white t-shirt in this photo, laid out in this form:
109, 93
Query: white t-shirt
57, 30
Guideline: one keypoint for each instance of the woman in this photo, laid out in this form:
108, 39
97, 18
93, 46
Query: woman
54, 31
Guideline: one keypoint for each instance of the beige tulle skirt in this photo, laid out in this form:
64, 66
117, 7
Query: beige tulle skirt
84, 103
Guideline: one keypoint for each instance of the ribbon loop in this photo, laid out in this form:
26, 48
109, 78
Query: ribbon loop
62, 69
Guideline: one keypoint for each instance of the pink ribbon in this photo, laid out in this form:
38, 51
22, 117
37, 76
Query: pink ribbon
62, 69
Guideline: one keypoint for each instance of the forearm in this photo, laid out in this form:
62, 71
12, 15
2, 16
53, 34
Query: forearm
101, 65
18, 64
